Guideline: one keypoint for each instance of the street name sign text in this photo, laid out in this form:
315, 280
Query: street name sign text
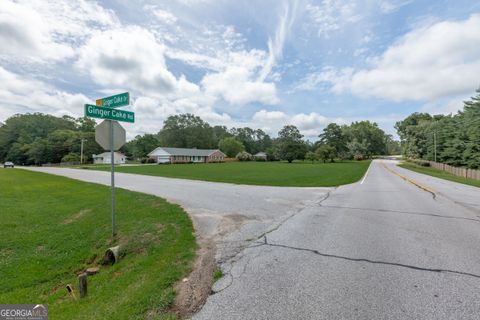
118, 100
109, 113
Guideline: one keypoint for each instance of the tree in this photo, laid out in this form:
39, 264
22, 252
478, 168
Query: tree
231, 146
186, 131
333, 136
21, 130
358, 149
253, 140
141, 146
220, 132
310, 156
290, 145
454, 139
325, 152
369, 135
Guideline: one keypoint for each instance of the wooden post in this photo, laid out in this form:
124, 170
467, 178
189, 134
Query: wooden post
82, 284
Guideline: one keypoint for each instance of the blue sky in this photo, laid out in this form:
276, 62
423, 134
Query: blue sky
261, 64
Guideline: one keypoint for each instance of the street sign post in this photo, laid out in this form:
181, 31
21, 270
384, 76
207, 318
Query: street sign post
118, 100
109, 113
110, 134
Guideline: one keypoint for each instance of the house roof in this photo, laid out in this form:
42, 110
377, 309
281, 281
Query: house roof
107, 154
260, 154
185, 151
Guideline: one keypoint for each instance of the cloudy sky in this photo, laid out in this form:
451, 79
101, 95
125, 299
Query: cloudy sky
262, 64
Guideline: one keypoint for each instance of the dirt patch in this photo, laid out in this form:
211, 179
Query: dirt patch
192, 292
77, 216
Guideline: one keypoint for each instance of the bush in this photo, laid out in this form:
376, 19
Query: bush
71, 157
358, 156
244, 156
151, 160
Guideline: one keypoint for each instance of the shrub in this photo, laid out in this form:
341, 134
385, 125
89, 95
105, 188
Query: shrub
244, 156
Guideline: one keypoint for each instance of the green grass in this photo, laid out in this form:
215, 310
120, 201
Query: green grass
439, 174
52, 228
217, 274
298, 174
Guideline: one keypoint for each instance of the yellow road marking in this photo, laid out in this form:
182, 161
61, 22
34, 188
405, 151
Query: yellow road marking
418, 185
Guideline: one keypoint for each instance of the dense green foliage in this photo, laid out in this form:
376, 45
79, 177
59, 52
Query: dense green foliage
64, 227
39, 138
187, 131
325, 152
296, 174
141, 146
360, 140
290, 145
457, 137
230, 146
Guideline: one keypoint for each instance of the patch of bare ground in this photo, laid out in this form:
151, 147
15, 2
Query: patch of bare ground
77, 216
192, 292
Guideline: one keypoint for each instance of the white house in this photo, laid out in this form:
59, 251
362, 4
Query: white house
260, 155
104, 158
185, 155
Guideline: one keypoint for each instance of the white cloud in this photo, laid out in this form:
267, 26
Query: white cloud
20, 94
437, 61
331, 15
309, 121
47, 29
235, 86
275, 45
128, 57
390, 6
162, 15
269, 116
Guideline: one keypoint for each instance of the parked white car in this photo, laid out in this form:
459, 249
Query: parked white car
8, 164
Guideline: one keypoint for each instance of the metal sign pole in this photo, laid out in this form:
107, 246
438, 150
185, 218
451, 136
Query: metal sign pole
112, 160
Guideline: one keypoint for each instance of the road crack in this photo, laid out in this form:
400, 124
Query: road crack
396, 264
318, 203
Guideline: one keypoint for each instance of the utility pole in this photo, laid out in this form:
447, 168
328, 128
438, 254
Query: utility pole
81, 150
435, 145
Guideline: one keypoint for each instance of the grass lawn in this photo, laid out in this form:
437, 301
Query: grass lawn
439, 174
52, 228
298, 174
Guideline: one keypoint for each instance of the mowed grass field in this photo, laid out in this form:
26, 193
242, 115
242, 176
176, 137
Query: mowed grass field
439, 174
52, 228
296, 174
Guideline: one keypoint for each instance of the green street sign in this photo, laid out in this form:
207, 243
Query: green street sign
109, 113
117, 100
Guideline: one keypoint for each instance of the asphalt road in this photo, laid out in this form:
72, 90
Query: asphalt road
231, 216
379, 249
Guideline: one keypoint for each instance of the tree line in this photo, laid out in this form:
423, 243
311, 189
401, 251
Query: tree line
359, 140
34, 139
450, 139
